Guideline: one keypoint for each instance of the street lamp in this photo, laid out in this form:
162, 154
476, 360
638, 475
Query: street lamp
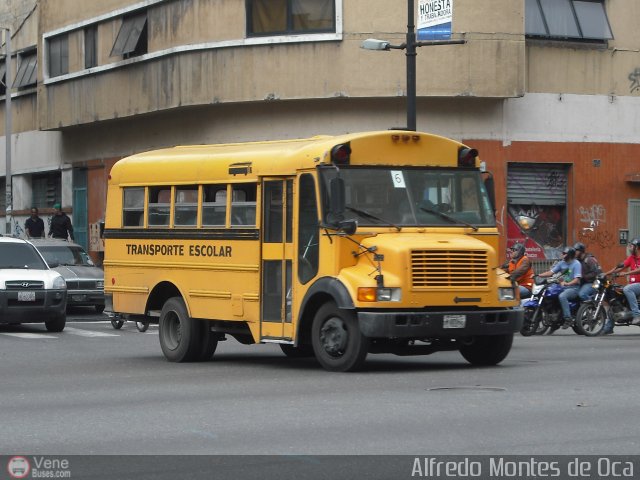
7, 129
410, 51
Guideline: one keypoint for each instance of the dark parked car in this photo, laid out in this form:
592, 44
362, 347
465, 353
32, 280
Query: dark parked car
30, 291
85, 280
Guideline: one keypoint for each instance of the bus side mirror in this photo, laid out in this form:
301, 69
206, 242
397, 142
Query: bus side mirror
337, 195
491, 191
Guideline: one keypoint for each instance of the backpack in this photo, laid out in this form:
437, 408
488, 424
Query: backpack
590, 268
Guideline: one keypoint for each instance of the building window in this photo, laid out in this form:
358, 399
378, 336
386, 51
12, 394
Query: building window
3, 195
46, 189
90, 46
3, 75
27, 72
132, 37
58, 55
567, 19
282, 17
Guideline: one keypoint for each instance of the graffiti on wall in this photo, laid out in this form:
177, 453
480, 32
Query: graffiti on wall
634, 78
594, 218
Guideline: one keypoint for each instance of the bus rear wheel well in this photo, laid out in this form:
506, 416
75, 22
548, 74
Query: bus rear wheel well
160, 294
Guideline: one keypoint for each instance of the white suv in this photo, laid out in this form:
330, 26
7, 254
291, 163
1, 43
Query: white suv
30, 292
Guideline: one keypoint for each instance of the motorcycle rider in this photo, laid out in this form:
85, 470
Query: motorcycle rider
520, 269
632, 289
571, 271
590, 270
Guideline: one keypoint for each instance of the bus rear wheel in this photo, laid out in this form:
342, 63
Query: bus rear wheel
180, 335
487, 350
338, 344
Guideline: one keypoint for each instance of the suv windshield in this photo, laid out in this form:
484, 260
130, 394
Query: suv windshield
65, 255
404, 197
20, 255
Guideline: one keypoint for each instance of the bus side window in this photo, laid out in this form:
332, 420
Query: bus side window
133, 209
159, 203
243, 205
214, 205
186, 206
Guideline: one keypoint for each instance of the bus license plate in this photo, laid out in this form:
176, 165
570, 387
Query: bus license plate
26, 296
454, 321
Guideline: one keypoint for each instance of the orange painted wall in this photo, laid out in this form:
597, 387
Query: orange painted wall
588, 186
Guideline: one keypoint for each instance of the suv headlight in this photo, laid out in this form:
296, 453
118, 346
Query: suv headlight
506, 294
59, 283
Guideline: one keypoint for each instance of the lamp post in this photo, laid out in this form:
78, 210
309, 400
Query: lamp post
409, 46
7, 129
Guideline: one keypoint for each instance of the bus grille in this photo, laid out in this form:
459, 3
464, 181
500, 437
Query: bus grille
449, 268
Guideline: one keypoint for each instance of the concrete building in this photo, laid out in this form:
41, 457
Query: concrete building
548, 92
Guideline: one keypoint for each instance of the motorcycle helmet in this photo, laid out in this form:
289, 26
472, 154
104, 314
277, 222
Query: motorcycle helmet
519, 250
580, 247
568, 253
635, 242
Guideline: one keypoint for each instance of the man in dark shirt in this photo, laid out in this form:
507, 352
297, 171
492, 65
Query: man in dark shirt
34, 226
60, 224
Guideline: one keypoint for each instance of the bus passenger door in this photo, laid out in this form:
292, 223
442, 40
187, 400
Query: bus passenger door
277, 257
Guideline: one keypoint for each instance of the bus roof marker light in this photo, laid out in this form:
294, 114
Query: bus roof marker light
467, 157
341, 154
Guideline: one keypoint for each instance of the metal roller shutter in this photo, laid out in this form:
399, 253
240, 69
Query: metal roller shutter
537, 184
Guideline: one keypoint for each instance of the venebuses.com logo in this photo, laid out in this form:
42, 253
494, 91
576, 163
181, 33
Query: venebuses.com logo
38, 467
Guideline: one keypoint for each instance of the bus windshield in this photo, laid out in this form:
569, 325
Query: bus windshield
405, 197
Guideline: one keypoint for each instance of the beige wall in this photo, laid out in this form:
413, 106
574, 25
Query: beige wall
490, 65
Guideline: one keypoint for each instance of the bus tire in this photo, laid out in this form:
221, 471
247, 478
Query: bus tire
179, 334
208, 342
338, 344
487, 350
301, 351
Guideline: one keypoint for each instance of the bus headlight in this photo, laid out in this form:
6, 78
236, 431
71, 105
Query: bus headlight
506, 294
373, 294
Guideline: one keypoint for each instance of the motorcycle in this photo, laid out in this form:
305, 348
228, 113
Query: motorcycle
608, 302
542, 311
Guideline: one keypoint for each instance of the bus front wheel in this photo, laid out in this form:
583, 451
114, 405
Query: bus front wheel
179, 334
338, 344
487, 350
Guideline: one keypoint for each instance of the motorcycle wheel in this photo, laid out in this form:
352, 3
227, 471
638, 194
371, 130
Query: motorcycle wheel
587, 324
531, 322
117, 324
142, 326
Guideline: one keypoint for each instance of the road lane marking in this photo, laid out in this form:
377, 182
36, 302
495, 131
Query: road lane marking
28, 335
87, 333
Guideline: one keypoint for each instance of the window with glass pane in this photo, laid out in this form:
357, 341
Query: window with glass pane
133, 207
214, 205
58, 55
90, 46
46, 189
273, 17
186, 206
567, 19
159, 204
243, 205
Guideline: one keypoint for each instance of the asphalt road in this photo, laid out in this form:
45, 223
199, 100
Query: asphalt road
95, 390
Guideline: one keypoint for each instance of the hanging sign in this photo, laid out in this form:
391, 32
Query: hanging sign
434, 19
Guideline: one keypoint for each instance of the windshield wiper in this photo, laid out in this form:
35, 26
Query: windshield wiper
373, 217
449, 218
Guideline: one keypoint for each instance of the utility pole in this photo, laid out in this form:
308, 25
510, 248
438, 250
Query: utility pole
410, 48
8, 131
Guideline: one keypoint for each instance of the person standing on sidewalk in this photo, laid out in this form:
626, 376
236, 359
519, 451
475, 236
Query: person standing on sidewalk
60, 225
632, 289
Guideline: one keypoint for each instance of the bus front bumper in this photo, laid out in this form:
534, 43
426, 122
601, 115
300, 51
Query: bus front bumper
452, 324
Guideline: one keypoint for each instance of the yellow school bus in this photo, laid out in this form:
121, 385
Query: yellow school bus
331, 246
